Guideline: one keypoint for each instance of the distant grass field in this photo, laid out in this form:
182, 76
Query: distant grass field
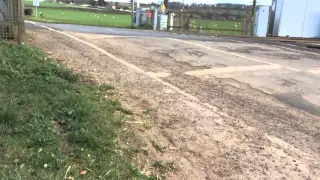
81, 17
217, 26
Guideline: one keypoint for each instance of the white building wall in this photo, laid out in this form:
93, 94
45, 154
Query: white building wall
292, 18
261, 21
311, 27
297, 18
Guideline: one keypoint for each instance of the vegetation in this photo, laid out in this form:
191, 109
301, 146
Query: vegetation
28, 12
53, 125
216, 24
81, 17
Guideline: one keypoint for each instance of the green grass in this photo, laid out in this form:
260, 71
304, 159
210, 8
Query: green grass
51, 120
80, 17
218, 26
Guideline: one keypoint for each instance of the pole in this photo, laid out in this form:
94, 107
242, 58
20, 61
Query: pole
132, 18
36, 11
254, 7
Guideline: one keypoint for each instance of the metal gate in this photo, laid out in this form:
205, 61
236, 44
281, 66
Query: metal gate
11, 19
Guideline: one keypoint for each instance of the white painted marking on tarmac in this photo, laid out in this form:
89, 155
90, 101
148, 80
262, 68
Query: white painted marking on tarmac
231, 69
314, 71
235, 54
235, 40
308, 52
131, 66
159, 74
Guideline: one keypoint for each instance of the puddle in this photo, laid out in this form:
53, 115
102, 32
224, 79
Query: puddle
295, 100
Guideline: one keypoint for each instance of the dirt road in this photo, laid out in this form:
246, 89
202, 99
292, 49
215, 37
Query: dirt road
219, 109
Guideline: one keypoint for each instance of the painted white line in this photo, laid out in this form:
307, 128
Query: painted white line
314, 71
235, 40
308, 52
159, 74
133, 67
235, 54
232, 69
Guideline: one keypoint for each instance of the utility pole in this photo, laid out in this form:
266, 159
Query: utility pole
132, 18
254, 7
166, 3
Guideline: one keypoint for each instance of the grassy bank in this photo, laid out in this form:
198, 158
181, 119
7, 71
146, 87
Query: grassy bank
53, 125
81, 17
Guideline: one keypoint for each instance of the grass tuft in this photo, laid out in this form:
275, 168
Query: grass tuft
50, 120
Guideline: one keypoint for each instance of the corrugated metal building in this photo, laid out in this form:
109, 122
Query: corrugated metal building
297, 18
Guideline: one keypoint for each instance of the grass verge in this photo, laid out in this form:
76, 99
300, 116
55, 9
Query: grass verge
70, 16
53, 125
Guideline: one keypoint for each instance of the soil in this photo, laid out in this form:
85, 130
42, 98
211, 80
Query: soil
209, 128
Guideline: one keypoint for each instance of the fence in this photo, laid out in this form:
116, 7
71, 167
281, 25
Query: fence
11, 19
227, 23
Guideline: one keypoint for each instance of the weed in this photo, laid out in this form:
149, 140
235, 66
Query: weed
164, 167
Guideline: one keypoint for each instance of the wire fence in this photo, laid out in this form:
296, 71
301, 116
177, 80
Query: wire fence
11, 19
222, 23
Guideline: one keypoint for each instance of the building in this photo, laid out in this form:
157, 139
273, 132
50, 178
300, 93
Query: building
296, 18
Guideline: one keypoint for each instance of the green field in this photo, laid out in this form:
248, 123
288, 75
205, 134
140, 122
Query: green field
55, 125
81, 17
217, 26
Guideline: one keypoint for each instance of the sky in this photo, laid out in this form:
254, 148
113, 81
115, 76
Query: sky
260, 2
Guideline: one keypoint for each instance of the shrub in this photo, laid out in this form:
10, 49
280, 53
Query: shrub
28, 12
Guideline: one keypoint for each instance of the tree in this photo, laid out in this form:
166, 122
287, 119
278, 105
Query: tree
101, 3
92, 2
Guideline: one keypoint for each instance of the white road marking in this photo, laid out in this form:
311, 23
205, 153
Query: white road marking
314, 71
235, 40
235, 54
133, 67
289, 45
231, 69
308, 52
159, 74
